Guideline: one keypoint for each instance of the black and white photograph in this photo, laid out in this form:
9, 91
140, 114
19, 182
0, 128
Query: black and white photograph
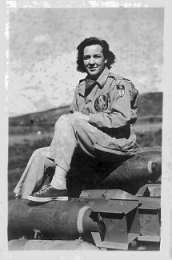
86, 169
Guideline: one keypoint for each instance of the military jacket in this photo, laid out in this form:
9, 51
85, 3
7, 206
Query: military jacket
112, 108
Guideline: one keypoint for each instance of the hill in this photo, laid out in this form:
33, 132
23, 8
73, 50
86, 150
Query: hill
149, 106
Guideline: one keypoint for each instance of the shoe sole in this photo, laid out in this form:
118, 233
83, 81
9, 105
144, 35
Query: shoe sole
36, 199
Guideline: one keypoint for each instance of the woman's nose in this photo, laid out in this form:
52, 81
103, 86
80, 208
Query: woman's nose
92, 60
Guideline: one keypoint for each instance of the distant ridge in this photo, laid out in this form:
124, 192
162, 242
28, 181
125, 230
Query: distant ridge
43, 112
149, 105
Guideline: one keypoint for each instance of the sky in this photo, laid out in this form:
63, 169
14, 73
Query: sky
42, 51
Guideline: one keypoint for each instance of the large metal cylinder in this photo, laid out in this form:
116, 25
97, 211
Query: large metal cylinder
146, 165
56, 219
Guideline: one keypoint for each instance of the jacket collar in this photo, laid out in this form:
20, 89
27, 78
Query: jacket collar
103, 77
100, 81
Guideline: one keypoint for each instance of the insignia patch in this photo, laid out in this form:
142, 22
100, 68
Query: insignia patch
121, 90
101, 103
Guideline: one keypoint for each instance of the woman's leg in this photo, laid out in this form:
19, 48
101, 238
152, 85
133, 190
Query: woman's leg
70, 133
35, 173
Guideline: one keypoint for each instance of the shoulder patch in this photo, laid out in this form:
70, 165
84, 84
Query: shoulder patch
121, 90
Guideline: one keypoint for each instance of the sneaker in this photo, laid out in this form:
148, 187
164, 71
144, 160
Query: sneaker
48, 193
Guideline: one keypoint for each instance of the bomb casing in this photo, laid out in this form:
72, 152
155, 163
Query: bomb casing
146, 165
56, 219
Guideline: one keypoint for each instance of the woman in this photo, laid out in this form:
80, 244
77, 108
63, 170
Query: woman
100, 121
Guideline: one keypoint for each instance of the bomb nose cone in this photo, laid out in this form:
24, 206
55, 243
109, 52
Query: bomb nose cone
155, 169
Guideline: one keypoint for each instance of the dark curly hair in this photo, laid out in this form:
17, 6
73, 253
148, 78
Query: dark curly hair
108, 55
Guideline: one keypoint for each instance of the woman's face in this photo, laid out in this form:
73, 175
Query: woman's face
93, 60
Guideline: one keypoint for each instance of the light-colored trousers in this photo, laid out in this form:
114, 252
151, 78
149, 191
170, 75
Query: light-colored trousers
69, 134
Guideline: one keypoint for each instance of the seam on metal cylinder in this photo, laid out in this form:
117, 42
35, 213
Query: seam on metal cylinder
80, 218
150, 166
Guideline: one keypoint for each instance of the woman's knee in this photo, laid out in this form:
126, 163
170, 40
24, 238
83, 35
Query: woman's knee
60, 120
65, 120
40, 152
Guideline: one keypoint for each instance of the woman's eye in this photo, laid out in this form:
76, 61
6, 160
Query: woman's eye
97, 56
86, 57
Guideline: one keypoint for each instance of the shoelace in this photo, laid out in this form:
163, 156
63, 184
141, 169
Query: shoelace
44, 189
